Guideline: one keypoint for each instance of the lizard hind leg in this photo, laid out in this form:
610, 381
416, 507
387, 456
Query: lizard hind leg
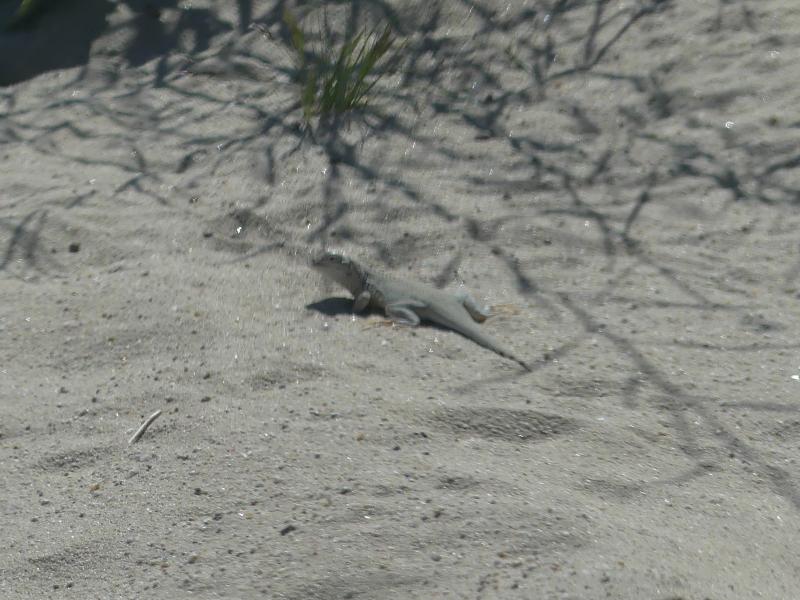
403, 313
476, 311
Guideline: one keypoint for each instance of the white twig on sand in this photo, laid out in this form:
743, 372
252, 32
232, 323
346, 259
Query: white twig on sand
140, 432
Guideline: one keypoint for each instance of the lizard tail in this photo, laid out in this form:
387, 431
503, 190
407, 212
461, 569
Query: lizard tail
522, 363
471, 331
510, 356
488, 343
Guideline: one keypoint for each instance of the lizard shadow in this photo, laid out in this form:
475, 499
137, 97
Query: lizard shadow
336, 306
333, 306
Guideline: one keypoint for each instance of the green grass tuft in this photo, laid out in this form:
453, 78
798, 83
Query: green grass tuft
332, 83
26, 10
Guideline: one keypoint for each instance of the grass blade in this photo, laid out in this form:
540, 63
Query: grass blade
334, 80
309, 94
298, 38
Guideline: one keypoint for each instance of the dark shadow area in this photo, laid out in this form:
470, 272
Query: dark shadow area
332, 307
60, 35
59, 39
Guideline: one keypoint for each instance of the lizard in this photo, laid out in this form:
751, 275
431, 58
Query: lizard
409, 303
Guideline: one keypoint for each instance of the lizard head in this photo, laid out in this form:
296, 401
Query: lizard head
339, 268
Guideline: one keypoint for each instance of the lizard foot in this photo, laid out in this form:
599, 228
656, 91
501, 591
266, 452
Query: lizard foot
505, 309
378, 323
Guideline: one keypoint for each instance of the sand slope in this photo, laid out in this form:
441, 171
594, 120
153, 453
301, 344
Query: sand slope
625, 173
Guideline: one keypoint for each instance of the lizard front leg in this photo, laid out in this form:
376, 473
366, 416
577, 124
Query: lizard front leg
361, 301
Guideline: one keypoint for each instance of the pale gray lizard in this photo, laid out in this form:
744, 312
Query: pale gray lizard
407, 303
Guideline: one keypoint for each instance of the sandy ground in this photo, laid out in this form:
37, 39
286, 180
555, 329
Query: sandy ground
624, 173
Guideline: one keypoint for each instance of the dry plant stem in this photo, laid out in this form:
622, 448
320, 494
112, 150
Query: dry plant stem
140, 432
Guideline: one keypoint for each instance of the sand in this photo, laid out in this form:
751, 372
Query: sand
625, 174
